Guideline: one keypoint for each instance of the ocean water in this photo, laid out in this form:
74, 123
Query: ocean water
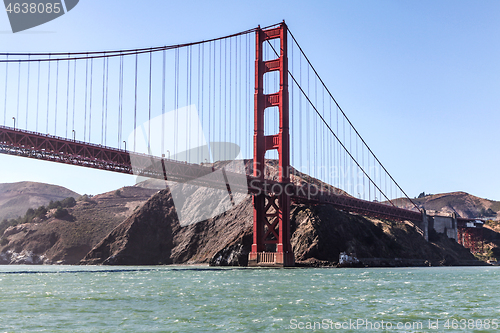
207, 299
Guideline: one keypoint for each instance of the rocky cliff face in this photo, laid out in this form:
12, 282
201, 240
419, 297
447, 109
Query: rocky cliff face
322, 233
153, 235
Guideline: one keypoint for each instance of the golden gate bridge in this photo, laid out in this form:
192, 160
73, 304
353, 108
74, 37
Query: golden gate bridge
121, 111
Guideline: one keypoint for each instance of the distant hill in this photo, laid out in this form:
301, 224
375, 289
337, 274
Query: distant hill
464, 204
16, 198
67, 238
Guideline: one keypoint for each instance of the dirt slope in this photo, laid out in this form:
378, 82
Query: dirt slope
16, 198
69, 238
464, 204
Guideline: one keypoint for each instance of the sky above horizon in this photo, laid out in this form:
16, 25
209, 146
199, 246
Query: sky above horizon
420, 80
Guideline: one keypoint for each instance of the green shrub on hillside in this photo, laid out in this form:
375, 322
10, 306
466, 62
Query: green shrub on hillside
85, 198
40, 213
68, 202
60, 213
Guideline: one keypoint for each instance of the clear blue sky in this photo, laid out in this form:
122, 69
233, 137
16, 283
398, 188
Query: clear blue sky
420, 80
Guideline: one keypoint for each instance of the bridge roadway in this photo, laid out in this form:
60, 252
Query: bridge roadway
56, 149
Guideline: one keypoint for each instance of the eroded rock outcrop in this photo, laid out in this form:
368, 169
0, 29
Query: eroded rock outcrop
152, 235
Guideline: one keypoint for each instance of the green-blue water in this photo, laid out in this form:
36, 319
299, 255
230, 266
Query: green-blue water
205, 299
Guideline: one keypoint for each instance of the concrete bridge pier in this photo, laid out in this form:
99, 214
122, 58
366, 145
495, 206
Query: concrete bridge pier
425, 225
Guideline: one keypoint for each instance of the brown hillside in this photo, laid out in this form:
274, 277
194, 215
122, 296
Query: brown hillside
464, 204
69, 238
16, 198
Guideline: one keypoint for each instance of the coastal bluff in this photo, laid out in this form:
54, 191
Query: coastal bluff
152, 235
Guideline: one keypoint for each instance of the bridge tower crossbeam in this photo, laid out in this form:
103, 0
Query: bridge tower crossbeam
271, 224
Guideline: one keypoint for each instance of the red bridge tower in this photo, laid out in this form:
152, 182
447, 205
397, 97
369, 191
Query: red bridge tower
271, 220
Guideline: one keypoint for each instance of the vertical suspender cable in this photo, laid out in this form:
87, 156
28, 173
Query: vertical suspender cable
28, 91
48, 99
119, 101
301, 141
37, 97
163, 101
135, 100
67, 97
292, 176
238, 108
57, 93
103, 98
219, 119
120, 106
199, 95
6, 85
188, 99
230, 92
18, 90
308, 133
364, 167
354, 169
225, 95
74, 97
247, 97
315, 130
236, 105
106, 104
210, 95
90, 96
332, 149
176, 99
323, 152
214, 118
86, 92
380, 179
350, 161
345, 156
149, 101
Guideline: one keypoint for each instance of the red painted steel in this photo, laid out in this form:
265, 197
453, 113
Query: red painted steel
470, 237
271, 224
56, 149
